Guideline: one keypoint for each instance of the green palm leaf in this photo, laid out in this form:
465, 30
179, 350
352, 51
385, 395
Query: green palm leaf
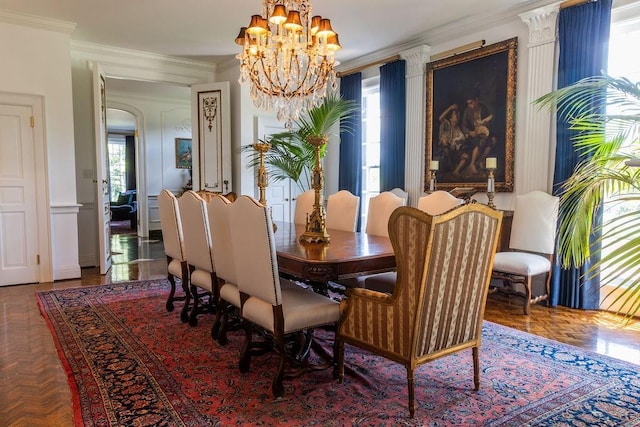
606, 141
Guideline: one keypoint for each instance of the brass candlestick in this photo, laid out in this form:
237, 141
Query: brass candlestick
263, 175
491, 188
316, 230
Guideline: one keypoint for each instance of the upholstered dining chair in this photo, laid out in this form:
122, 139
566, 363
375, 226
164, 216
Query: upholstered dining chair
276, 306
435, 203
304, 207
173, 241
380, 209
402, 194
221, 241
531, 246
198, 249
342, 211
436, 307
438, 202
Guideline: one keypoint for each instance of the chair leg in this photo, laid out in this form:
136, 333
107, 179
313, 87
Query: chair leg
245, 350
527, 298
172, 292
218, 324
412, 394
193, 319
476, 368
338, 352
278, 387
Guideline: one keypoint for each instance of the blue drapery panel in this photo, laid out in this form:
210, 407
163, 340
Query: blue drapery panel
392, 124
350, 169
584, 46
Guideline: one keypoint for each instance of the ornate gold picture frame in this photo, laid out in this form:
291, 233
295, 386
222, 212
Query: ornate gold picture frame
471, 116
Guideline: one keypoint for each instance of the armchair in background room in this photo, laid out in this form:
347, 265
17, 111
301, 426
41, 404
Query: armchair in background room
124, 206
436, 307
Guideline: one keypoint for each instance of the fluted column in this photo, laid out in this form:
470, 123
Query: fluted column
414, 149
535, 156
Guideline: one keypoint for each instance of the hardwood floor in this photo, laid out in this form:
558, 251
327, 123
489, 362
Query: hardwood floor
33, 386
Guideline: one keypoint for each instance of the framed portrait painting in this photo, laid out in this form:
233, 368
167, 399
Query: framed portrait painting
183, 153
471, 117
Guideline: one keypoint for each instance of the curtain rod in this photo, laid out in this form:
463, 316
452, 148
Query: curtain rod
365, 66
569, 3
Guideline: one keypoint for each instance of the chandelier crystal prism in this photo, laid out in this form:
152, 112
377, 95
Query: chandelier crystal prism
288, 58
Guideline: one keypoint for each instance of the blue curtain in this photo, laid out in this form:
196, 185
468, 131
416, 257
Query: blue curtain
350, 169
584, 46
392, 124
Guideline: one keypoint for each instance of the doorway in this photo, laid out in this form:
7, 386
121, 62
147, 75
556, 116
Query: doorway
121, 149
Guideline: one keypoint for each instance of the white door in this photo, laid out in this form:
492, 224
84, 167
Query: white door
211, 137
280, 194
102, 171
18, 218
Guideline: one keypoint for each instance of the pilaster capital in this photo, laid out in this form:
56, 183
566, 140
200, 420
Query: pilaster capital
542, 24
416, 57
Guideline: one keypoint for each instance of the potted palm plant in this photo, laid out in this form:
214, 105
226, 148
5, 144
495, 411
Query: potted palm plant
612, 146
291, 156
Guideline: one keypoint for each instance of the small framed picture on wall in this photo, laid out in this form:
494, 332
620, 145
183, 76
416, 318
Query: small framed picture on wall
183, 153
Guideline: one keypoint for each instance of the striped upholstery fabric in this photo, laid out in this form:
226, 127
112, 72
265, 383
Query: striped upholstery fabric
443, 270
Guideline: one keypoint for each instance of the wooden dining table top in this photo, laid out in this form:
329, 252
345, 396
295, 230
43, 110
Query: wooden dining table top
348, 254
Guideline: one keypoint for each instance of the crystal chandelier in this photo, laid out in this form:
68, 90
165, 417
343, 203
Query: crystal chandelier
288, 58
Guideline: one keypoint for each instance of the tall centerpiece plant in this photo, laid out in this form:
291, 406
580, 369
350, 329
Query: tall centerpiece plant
609, 144
291, 156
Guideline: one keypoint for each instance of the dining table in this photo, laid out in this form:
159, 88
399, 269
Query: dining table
348, 254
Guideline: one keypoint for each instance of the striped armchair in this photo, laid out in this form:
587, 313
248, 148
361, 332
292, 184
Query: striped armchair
443, 270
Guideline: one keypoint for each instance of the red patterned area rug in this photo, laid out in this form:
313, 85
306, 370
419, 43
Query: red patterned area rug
130, 362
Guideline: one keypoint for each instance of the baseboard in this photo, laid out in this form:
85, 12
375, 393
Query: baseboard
67, 272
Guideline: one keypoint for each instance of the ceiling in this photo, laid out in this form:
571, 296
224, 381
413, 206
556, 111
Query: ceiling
205, 30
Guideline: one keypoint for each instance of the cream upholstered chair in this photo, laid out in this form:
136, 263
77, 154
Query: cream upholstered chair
438, 202
436, 307
173, 241
218, 213
277, 308
380, 209
197, 242
402, 194
342, 211
304, 207
531, 246
435, 203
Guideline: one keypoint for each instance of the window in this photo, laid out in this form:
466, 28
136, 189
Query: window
117, 165
623, 39
370, 142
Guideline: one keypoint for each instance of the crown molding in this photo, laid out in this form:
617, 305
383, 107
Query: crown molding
128, 63
39, 22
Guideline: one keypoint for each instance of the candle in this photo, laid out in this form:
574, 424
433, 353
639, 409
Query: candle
434, 165
492, 162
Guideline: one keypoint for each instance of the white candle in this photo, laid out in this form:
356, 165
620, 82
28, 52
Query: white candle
434, 165
492, 162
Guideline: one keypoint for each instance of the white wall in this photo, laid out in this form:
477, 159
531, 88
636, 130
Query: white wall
36, 61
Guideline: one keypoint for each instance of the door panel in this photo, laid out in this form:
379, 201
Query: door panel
102, 170
18, 219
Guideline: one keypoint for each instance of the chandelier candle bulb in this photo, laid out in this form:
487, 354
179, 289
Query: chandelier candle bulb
492, 162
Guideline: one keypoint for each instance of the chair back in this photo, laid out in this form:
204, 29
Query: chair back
438, 202
195, 226
534, 223
342, 211
380, 209
402, 194
304, 207
255, 251
221, 241
172, 236
459, 260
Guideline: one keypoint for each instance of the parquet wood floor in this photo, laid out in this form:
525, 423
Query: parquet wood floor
33, 385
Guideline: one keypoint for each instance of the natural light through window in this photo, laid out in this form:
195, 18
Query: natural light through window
117, 166
623, 40
370, 142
